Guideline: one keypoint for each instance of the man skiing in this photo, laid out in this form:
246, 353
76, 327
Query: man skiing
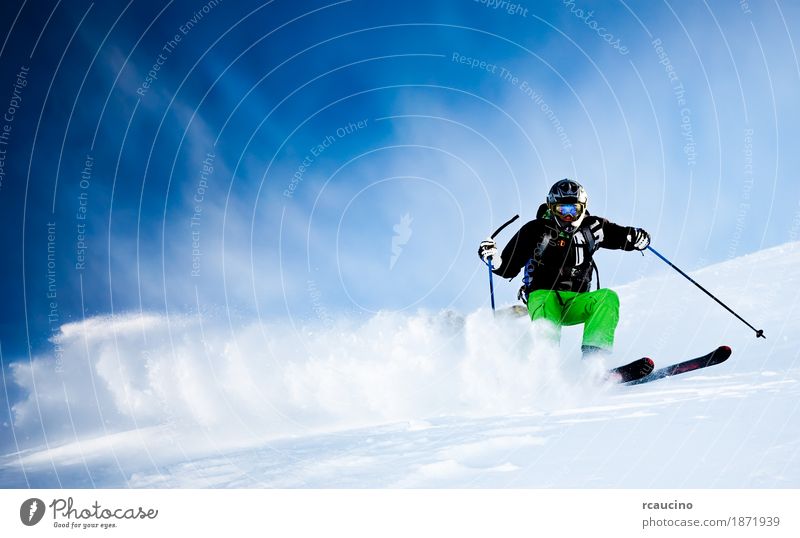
556, 251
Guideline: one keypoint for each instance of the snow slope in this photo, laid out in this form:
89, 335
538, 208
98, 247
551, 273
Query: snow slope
424, 400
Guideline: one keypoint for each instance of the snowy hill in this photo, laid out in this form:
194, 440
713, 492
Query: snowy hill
429, 400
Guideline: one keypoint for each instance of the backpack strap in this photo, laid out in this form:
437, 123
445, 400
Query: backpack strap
591, 248
591, 241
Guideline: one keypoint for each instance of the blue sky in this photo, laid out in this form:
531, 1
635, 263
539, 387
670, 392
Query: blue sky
342, 158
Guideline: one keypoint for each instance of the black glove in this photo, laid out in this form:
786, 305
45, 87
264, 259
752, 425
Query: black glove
640, 239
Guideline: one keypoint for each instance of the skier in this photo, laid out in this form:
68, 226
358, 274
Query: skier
556, 251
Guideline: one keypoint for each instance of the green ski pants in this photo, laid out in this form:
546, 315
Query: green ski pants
597, 310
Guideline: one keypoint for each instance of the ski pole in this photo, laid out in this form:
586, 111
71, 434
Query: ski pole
489, 259
491, 281
759, 332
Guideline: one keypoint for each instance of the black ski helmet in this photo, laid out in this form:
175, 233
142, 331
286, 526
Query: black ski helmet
567, 201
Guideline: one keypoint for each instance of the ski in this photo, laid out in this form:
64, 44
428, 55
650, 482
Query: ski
632, 372
717, 356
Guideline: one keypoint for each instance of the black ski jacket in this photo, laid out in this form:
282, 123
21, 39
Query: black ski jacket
555, 260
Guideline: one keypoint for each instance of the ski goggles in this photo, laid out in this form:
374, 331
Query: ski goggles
568, 212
